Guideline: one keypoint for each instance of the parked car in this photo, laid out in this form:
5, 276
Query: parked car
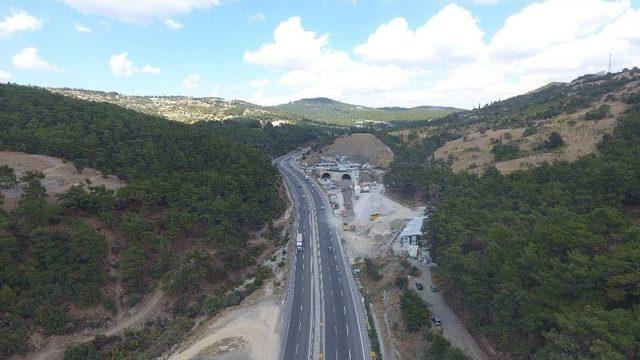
434, 288
419, 286
435, 321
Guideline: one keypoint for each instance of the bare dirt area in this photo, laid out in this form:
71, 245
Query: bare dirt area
374, 237
248, 331
359, 147
59, 174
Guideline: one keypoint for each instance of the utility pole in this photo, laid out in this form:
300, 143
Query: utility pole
609, 63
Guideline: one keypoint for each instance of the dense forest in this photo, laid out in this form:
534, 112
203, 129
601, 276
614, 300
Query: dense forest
194, 195
544, 262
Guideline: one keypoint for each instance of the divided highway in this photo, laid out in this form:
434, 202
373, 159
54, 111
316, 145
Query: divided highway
324, 315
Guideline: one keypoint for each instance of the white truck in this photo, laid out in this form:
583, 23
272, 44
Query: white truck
299, 242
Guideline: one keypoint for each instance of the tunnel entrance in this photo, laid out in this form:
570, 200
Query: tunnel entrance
326, 176
346, 177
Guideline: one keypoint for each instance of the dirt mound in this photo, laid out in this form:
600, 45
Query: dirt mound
360, 148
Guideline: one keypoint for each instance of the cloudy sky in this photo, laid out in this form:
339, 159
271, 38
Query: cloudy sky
377, 53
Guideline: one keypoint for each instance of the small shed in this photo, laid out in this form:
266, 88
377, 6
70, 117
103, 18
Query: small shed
412, 233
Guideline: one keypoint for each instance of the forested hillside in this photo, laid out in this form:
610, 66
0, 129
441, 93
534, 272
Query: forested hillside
194, 195
191, 110
542, 262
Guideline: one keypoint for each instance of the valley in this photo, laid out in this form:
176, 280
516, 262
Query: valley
320, 180
176, 261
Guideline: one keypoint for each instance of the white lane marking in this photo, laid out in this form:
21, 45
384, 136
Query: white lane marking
349, 353
297, 348
347, 329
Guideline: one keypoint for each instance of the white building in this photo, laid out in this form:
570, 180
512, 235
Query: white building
412, 233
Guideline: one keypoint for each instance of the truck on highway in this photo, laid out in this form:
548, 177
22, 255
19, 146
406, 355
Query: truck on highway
299, 242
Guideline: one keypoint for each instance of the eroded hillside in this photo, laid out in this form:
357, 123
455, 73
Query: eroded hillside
514, 134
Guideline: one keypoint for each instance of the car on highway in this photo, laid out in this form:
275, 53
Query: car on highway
434, 288
419, 286
321, 207
304, 196
330, 249
435, 321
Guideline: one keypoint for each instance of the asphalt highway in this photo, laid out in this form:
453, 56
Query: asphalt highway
324, 314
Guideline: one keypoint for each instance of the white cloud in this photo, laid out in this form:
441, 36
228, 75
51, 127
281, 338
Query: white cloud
451, 35
121, 66
5, 76
148, 69
313, 69
81, 28
172, 24
28, 59
485, 2
552, 22
192, 82
140, 11
257, 17
446, 61
293, 48
19, 21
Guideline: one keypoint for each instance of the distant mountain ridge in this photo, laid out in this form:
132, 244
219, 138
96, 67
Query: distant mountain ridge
333, 111
192, 109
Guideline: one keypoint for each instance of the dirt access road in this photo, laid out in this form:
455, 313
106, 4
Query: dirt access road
56, 346
452, 328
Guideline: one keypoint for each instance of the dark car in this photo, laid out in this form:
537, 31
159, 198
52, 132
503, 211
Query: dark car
434, 288
419, 286
435, 321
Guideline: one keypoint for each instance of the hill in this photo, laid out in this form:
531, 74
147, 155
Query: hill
189, 225
540, 260
190, 110
332, 111
511, 134
359, 147
177, 108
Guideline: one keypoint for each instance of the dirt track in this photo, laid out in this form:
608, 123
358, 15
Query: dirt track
56, 345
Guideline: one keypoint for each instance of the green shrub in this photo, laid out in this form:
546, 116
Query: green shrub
554, 141
503, 152
598, 113
414, 311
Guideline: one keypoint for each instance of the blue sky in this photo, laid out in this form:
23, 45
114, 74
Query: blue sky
380, 53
